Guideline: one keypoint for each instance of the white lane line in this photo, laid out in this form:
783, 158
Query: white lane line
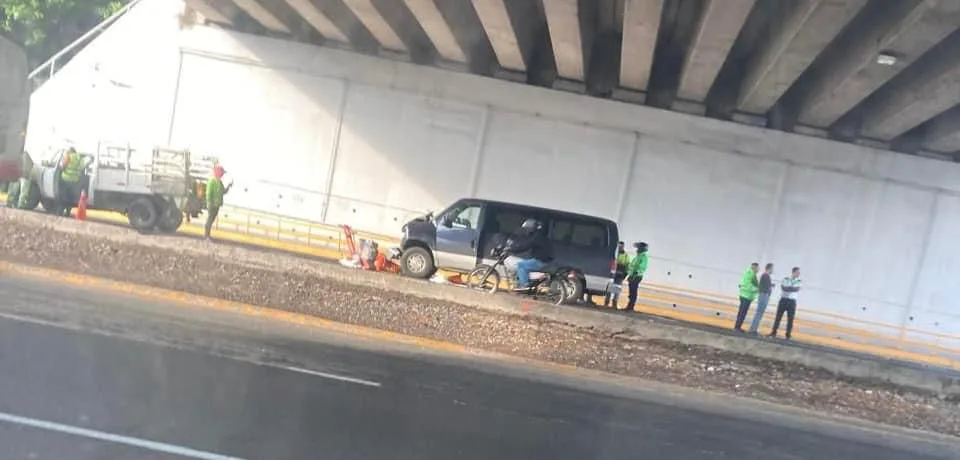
80, 328
325, 375
114, 438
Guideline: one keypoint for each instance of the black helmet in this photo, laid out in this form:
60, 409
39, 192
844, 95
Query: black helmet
641, 246
531, 225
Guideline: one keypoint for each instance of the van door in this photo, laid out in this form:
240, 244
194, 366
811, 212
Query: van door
504, 220
458, 232
584, 243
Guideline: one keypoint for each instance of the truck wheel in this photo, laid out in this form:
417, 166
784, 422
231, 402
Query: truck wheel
142, 214
170, 218
33, 197
417, 262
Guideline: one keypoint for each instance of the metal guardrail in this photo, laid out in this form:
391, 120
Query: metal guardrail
314, 234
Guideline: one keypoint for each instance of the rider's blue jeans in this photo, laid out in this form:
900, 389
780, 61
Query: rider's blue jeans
524, 267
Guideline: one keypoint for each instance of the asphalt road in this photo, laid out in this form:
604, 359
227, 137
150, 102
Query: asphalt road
91, 375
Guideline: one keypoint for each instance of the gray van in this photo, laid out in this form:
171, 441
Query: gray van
461, 236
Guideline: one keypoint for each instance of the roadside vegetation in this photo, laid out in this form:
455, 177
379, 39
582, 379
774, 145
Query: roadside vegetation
45, 27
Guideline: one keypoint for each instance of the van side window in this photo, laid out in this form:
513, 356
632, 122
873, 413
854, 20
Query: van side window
468, 217
579, 233
505, 221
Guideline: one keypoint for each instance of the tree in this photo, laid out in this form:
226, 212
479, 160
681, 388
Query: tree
45, 27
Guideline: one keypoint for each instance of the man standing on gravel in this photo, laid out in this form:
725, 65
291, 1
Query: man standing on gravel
71, 170
619, 274
766, 288
748, 292
635, 272
788, 301
215, 192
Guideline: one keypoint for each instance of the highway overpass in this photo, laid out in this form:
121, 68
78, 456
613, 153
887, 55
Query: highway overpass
722, 133
882, 72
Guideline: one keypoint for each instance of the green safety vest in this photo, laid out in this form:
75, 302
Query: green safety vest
71, 173
215, 192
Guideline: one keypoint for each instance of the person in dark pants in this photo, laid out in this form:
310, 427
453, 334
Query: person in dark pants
790, 286
635, 271
748, 291
766, 288
214, 195
71, 172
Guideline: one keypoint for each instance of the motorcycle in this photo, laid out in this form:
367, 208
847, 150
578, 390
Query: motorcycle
554, 285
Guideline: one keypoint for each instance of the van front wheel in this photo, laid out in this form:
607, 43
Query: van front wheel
417, 262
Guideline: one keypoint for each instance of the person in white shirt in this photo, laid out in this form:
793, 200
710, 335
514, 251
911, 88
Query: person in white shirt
789, 287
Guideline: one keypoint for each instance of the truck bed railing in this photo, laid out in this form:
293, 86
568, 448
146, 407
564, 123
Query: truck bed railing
162, 171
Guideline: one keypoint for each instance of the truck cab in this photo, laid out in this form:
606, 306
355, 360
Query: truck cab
47, 176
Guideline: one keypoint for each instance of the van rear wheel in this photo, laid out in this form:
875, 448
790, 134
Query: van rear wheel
417, 262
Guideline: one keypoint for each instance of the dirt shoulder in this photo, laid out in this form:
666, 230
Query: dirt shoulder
294, 284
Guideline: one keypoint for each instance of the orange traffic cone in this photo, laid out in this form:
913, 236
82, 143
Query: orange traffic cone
82, 206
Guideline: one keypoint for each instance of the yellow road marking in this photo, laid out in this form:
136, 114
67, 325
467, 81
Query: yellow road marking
723, 301
197, 301
875, 350
186, 300
847, 345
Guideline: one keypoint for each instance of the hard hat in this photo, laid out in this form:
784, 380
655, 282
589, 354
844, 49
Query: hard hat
218, 171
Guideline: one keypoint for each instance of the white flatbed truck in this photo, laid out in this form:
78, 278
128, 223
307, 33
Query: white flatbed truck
154, 188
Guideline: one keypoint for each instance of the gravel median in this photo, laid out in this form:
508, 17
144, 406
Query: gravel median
291, 283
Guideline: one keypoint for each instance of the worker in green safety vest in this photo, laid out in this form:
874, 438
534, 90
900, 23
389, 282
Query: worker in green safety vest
618, 274
214, 196
749, 287
635, 271
71, 170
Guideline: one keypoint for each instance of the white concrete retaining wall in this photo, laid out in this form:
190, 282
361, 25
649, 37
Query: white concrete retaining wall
336, 137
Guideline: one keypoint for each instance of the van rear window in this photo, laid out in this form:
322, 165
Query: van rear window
580, 233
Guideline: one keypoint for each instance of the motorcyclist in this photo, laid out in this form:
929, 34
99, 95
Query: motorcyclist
532, 251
